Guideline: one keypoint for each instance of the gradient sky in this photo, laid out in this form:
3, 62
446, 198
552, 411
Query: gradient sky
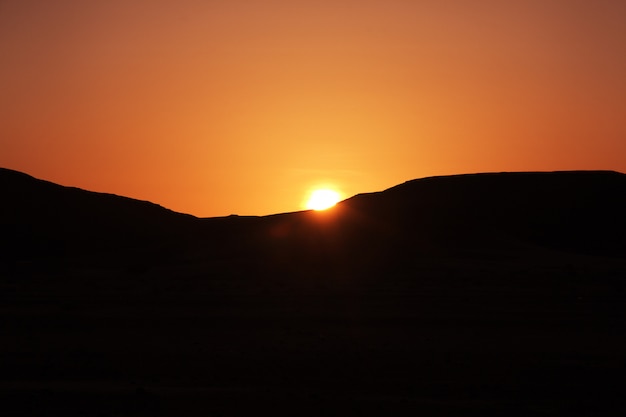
220, 107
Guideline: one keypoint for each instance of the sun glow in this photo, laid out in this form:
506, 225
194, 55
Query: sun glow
322, 199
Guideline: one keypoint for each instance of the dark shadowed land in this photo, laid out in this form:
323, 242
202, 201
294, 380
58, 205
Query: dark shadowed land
472, 295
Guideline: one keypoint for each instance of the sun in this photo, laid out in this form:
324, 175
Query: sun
322, 199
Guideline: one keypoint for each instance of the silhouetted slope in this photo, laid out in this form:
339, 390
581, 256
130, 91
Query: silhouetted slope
42, 218
569, 210
464, 295
578, 211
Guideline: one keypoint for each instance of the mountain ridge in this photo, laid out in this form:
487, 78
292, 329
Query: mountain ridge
475, 295
5, 182
571, 210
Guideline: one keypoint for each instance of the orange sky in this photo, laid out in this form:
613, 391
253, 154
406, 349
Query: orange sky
220, 107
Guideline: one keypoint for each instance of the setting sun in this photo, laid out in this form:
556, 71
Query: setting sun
322, 199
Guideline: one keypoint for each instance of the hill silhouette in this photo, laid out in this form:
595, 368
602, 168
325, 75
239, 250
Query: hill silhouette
578, 210
568, 210
40, 218
482, 294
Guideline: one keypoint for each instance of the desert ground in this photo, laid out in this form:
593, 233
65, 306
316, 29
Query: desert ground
384, 306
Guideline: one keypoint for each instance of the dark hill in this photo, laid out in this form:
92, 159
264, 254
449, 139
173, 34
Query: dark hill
578, 210
472, 295
40, 218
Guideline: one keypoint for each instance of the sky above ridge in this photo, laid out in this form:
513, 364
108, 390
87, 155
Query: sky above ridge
221, 107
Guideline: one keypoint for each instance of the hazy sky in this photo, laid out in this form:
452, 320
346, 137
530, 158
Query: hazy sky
220, 107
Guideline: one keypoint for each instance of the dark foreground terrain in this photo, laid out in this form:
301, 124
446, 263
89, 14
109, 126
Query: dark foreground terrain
477, 295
